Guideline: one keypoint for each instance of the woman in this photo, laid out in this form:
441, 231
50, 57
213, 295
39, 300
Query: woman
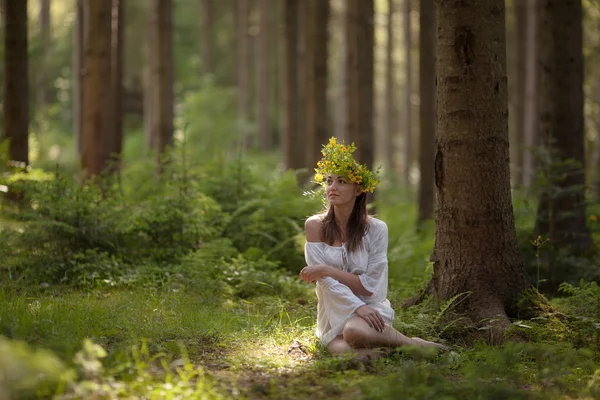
346, 253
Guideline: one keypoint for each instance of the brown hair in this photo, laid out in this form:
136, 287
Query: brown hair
358, 225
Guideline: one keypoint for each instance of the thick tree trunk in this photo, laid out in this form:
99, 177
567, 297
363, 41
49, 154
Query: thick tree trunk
427, 46
264, 76
359, 79
390, 92
162, 77
115, 135
292, 138
531, 113
96, 118
207, 37
317, 121
561, 212
16, 81
475, 249
517, 89
244, 70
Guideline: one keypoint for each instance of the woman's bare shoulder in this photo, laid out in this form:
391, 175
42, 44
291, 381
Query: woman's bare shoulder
312, 227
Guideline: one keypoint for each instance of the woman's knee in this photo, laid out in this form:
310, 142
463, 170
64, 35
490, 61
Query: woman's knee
338, 346
353, 332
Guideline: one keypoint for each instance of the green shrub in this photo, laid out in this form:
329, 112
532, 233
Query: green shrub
266, 206
26, 373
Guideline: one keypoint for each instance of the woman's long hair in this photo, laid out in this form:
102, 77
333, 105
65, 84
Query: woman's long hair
358, 225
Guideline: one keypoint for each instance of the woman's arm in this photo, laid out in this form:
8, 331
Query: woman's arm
313, 272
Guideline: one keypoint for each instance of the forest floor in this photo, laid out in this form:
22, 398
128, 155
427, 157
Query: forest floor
265, 349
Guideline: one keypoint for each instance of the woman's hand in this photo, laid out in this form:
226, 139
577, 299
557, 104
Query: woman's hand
311, 273
373, 318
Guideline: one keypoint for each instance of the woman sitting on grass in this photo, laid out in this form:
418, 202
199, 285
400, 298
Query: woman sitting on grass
346, 253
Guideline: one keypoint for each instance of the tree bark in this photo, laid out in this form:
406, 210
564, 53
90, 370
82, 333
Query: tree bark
390, 91
359, 79
531, 111
16, 82
340, 79
162, 78
407, 93
115, 134
475, 249
595, 161
317, 118
427, 79
149, 87
43, 91
78, 75
244, 70
292, 138
96, 118
264, 76
561, 212
302, 60
207, 37
516, 88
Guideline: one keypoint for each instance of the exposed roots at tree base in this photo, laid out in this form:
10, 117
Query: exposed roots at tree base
492, 323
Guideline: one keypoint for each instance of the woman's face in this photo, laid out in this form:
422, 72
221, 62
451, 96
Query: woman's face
340, 190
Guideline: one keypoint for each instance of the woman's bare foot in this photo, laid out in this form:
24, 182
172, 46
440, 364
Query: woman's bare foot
417, 341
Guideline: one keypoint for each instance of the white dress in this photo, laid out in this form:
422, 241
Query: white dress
336, 302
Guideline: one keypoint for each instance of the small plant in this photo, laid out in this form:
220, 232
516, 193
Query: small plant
538, 243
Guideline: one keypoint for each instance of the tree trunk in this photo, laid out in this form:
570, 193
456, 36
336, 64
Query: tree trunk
390, 91
427, 45
595, 161
207, 37
78, 75
517, 89
340, 47
150, 88
264, 76
115, 134
292, 138
16, 82
317, 118
46, 38
96, 121
475, 248
302, 60
561, 211
340, 84
531, 112
162, 77
244, 70
407, 93
359, 79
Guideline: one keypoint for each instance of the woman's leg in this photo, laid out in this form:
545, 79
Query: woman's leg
357, 333
339, 346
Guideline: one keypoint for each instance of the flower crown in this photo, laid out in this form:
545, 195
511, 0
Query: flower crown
337, 159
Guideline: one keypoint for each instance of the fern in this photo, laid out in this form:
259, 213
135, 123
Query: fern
449, 304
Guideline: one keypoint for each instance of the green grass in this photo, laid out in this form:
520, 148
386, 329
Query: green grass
247, 349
